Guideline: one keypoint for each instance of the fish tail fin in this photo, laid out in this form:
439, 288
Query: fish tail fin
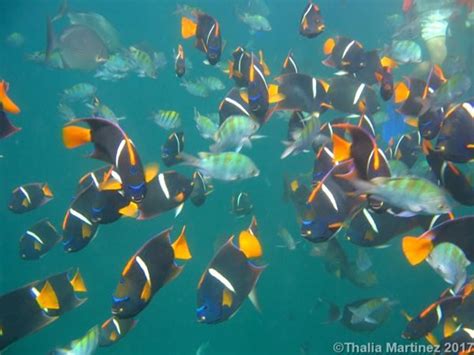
341, 148
75, 136
416, 249
6, 104
401, 92
180, 246
249, 243
188, 28
77, 282
47, 297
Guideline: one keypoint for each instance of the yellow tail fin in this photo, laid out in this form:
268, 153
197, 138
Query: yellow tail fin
78, 283
75, 136
47, 297
188, 28
180, 247
6, 104
416, 249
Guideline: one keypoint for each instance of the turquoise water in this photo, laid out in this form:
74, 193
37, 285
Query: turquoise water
288, 289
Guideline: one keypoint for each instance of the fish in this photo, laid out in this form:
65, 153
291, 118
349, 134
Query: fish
227, 166
233, 104
255, 22
167, 119
180, 62
172, 148
38, 240
311, 23
239, 67
405, 51
115, 67
83, 346
202, 187
28, 197
409, 193
367, 314
451, 91
195, 88
230, 278
78, 47
241, 204
147, 271
286, 238
143, 63
303, 139
206, 126
6, 104
7, 129
455, 141
449, 261
166, 191
234, 133
207, 31
33, 306
455, 231
109, 141
301, 92
352, 96
84, 92
289, 64
100, 110
407, 148
114, 329
411, 97
344, 54
297, 193
211, 82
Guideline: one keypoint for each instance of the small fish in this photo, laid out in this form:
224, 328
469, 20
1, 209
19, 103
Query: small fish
15, 39
28, 197
180, 62
80, 92
212, 83
241, 204
202, 187
147, 271
143, 63
233, 104
38, 240
195, 88
114, 329
228, 166
311, 23
172, 148
449, 261
349, 95
255, 22
230, 278
367, 314
405, 51
344, 54
206, 126
86, 345
302, 140
234, 133
167, 119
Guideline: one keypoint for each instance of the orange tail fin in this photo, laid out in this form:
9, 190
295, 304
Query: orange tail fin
188, 28
416, 249
6, 104
75, 136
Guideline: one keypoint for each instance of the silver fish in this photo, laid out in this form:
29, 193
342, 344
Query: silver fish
234, 133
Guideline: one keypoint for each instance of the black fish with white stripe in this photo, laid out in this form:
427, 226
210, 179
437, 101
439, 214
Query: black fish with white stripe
28, 197
171, 149
38, 240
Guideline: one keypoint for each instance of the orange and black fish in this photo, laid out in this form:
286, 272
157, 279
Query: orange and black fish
411, 96
289, 65
38, 240
311, 23
230, 278
300, 92
28, 197
344, 54
147, 271
201, 189
114, 329
233, 105
6, 104
113, 146
6, 127
180, 62
172, 148
457, 231
408, 148
32, 307
207, 31
349, 95
166, 191
240, 65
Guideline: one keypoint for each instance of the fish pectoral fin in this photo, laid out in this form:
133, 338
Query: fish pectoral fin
227, 298
254, 299
146, 292
47, 298
110, 185
416, 249
131, 210
78, 283
75, 136
188, 27
180, 247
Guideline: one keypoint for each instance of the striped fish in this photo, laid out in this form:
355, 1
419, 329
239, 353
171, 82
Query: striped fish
167, 119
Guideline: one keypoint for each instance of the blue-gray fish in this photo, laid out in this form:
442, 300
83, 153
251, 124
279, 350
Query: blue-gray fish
167, 119
228, 166
206, 126
450, 262
79, 92
234, 133
86, 345
142, 63
256, 23
405, 52
195, 88
302, 139
211, 82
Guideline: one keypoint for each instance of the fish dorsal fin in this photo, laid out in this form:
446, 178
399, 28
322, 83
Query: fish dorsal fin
341, 148
227, 297
77, 283
47, 298
188, 27
249, 244
151, 171
180, 246
110, 185
254, 299
266, 70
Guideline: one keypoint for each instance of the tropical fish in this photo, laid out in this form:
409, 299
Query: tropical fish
172, 148
303, 139
100, 110
211, 82
167, 119
202, 187
289, 65
232, 105
206, 126
230, 278
195, 88
86, 345
147, 271
311, 23
352, 96
143, 63
180, 62
234, 133
28, 197
38, 240
255, 22
241, 204
344, 54
84, 92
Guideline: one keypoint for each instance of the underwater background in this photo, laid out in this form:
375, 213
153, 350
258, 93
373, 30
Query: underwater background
290, 322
